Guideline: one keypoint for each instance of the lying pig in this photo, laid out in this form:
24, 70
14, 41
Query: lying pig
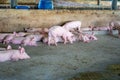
30, 41
115, 25
32, 30
9, 37
2, 36
104, 28
90, 28
85, 37
17, 40
72, 25
14, 55
58, 31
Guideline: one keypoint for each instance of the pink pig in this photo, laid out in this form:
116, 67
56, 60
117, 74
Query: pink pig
2, 36
104, 28
58, 31
30, 41
72, 25
9, 37
14, 55
17, 40
32, 30
84, 38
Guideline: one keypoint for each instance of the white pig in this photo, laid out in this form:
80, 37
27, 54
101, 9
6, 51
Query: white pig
72, 25
58, 31
115, 25
2, 36
17, 40
14, 55
30, 41
9, 37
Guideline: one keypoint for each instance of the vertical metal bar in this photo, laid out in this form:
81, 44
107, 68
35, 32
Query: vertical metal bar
98, 2
13, 3
114, 4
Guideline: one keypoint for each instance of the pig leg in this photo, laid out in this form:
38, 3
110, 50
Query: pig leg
55, 40
65, 40
70, 39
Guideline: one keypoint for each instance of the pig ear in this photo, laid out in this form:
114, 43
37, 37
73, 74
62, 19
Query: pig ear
9, 47
22, 50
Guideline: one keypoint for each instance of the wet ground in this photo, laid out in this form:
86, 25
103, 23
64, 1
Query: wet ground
64, 61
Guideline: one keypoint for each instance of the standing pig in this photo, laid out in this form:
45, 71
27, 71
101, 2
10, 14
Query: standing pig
14, 55
116, 26
58, 31
72, 25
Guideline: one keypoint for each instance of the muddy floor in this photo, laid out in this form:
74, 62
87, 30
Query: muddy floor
64, 61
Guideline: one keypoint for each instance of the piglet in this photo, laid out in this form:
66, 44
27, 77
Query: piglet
14, 55
58, 31
17, 40
9, 37
103, 28
2, 36
72, 25
30, 41
33, 30
115, 25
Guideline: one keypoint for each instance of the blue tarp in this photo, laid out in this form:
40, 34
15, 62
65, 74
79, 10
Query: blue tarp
22, 7
45, 4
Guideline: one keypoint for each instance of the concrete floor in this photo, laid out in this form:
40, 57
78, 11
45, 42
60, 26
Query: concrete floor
64, 61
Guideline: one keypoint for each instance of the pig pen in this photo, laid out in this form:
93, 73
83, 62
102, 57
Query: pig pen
60, 62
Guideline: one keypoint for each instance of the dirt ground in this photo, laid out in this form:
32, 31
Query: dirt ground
64, 61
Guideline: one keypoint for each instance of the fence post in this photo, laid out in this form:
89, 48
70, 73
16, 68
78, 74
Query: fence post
114, 4
98, 2
13, 3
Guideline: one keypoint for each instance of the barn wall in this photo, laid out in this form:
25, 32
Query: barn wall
16, 20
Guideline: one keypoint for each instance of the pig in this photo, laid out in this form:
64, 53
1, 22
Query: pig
17, 40
13, 55
58, 31
30, 41
22, 34
90, 28
115, 25
72, 25
85, 37
92, 36
104, 28
32, 30
37, 37
9, 37
2, 36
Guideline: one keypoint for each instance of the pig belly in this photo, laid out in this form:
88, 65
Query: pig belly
5, 57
